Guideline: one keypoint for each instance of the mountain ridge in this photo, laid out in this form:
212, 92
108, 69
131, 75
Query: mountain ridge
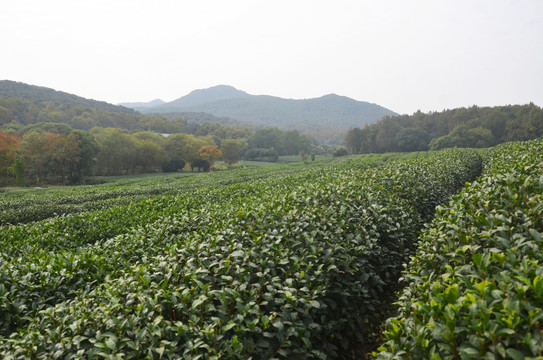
325, 119
139, 104
15, 89
330, 110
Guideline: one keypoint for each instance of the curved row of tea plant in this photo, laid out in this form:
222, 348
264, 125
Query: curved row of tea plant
76, 230
38, 204
281, 269
46, 262
476, 284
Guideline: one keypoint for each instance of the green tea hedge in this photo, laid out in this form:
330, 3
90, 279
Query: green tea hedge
475, 287
296, 266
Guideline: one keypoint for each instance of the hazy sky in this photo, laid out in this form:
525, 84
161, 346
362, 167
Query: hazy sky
401, 54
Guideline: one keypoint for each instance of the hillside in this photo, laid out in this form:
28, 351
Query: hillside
329, 111
12, 89
476, 127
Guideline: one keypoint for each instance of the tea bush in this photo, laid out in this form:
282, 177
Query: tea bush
295, 265
475, 287
39, 204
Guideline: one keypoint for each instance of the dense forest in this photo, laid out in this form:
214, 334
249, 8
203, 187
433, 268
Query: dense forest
475, 127
18, 90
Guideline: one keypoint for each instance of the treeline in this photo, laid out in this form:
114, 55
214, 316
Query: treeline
475, 127
43, 156
52, 152
22, 116
45, 139
16, 113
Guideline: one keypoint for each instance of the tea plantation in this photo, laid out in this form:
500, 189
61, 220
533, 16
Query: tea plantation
474, 290
297, 261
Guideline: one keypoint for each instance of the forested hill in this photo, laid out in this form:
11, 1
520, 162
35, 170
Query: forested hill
474, 127
12, 89
329, 111
26, 108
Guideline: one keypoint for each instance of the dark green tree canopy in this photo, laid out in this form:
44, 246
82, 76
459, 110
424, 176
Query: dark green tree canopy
464, 127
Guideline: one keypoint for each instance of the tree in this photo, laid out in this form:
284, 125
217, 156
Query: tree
210, 153
34, 154
268, 138
18, 169
153, 137
64, 152
292, 143
47, 127
526, 124
412, 139
8, 145
232, 149
462, 136
173, 150
201, 164
385, 139
353, 140
149, 155
87, 156
479, 137
496, 121
341, 151
118, 151
173, 165
186, 147
304, 156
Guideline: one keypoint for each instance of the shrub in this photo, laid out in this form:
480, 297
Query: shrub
475, 289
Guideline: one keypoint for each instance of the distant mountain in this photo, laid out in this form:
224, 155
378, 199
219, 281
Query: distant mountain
13, 89
330, 111
142, 105
203, 96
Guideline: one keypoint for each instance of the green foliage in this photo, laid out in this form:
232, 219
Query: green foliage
283, 262
39, 94
231, 150
412, 139
28, 114
283, 142
463, 136
340, 151
474, 288
261, 155
18, 170
325, 118
475, 127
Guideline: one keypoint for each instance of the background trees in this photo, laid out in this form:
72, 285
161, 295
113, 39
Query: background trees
210, 153
412, 139
184, 148
38, 140
463, 127
232, 150
63, 153
89, 150
8, 146
289, 142
34, 154
117, 151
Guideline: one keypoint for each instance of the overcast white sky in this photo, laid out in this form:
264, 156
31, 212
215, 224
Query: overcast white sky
405, 55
